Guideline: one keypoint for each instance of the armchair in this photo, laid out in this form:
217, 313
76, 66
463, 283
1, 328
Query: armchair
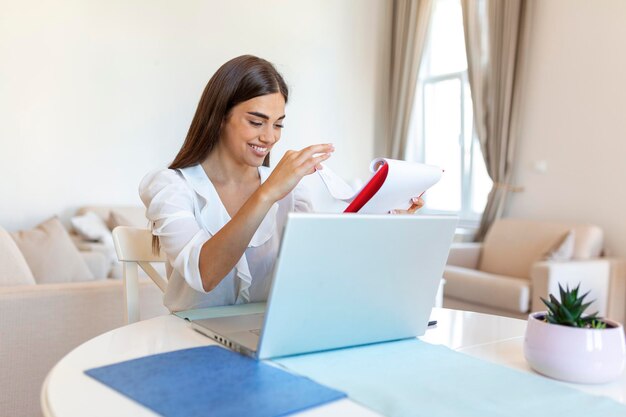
508, 272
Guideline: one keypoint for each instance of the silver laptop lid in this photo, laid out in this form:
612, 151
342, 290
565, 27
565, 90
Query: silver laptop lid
348, 279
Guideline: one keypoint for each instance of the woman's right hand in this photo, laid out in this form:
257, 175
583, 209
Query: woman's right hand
293, 166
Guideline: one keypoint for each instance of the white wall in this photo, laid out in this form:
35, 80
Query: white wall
95, 94
574, 117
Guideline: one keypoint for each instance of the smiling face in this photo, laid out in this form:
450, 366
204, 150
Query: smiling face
252, 128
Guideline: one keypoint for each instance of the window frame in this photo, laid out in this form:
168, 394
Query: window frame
467, 217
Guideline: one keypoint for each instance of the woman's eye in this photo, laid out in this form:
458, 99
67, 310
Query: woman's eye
257, 124
280, 126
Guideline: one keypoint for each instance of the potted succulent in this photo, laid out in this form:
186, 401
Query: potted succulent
565, 344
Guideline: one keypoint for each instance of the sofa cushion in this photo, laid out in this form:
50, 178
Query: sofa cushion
97, 263
470, 285
512, 245
51, 254
13, 267
562, 250
588, 242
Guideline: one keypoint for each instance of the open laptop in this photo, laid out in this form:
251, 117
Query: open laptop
343, 280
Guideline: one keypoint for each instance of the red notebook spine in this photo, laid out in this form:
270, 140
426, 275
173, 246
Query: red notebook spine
371, 188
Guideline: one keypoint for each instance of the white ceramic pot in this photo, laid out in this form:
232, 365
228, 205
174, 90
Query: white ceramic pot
573, 354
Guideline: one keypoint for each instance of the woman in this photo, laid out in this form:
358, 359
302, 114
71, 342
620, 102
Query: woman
217, 211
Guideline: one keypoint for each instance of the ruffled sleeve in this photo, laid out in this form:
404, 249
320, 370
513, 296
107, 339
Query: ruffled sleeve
313, 194
170, 208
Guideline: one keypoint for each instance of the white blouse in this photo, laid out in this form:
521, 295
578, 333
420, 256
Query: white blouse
185, 211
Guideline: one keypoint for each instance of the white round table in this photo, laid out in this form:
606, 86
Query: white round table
68, 392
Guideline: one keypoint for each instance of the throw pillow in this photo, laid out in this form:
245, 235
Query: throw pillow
127, 217
13, 267
90, 226
562, 250
51, 254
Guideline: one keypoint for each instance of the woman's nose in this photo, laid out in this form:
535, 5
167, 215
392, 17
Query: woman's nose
269, 136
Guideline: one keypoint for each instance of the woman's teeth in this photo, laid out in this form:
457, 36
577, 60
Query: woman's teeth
258, 149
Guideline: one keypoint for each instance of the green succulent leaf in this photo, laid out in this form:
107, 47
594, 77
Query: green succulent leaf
562, 292
596, 324
568, 315
584, 306
575, 291
551, 306
554, 300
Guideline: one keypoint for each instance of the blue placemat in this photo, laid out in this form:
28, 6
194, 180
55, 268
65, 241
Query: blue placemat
414, 378
212, 381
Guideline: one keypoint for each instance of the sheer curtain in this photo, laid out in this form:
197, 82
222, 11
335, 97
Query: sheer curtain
409, 28
493, 35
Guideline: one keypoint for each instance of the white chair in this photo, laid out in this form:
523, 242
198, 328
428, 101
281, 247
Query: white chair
134, 248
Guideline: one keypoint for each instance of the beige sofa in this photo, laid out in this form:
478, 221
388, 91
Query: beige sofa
507, 273
41, 323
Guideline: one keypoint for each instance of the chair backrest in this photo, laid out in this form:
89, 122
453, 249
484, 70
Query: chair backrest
513, 245
134, 248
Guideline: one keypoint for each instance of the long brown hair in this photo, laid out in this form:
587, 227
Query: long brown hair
238, 80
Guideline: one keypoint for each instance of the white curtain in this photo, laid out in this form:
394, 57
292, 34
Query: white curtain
410, 20
493, 34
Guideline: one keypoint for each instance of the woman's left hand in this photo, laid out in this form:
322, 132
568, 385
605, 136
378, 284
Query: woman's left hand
416, 204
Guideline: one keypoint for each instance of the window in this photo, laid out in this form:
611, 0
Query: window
442, 124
